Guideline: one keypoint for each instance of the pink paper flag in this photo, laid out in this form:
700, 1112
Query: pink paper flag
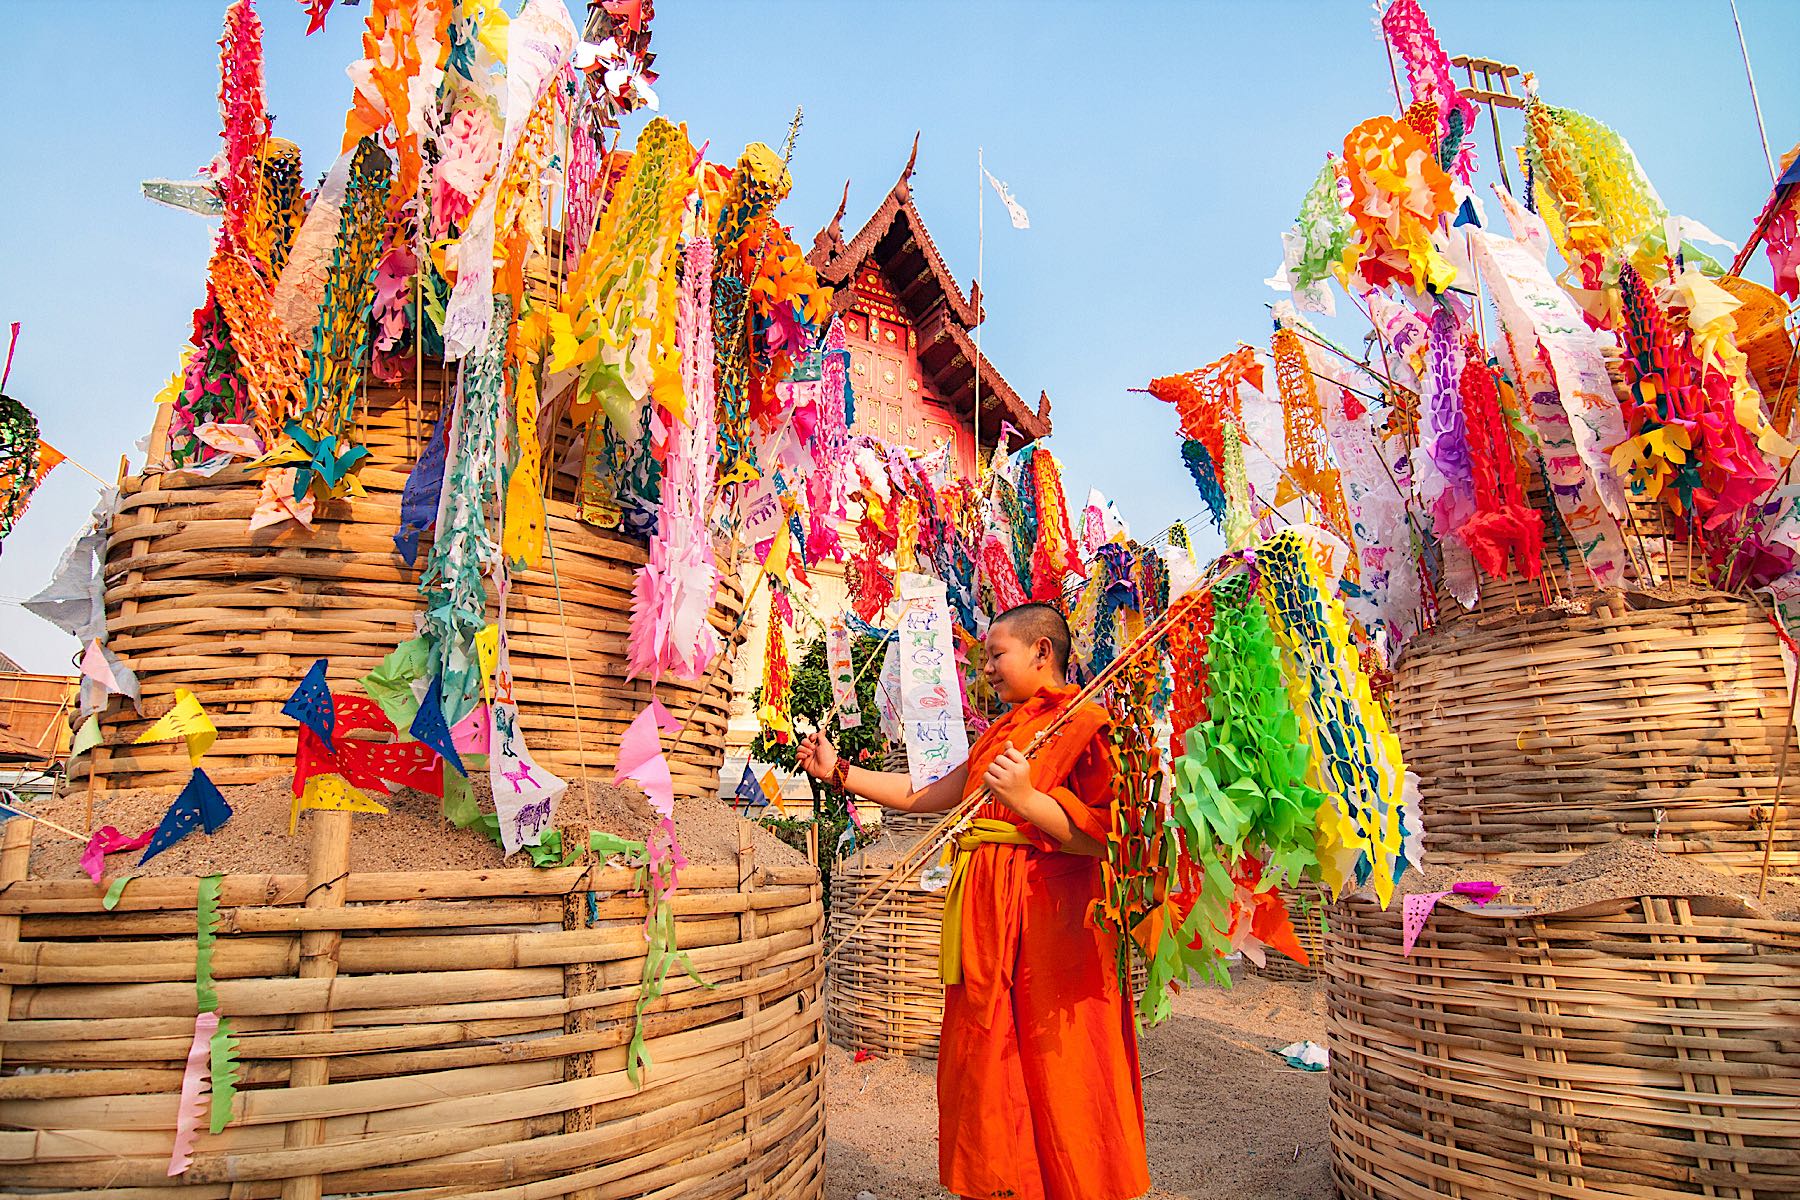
1417, 911
95, 667
1481, 891
107, 840
192, 1112
471, 734
641, 756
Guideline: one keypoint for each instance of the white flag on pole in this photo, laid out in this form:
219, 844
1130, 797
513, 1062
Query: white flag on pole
1015, 210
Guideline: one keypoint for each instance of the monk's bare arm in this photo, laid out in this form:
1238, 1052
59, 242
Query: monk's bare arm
891, 789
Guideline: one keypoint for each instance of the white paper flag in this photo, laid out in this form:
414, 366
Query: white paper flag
1014, 210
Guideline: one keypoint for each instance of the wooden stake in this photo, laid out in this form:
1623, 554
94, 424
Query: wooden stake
327, 869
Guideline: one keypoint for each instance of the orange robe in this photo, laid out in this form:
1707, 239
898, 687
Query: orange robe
1039, 1096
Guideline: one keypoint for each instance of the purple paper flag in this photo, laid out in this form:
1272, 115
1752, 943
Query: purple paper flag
419, 502
311, 704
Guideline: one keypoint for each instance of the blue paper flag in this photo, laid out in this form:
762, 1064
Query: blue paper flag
1466, 214
199, 805
749, 791
311, 704
429, 726
419, 502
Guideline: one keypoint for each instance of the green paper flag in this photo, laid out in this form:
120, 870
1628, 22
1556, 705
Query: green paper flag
87, 737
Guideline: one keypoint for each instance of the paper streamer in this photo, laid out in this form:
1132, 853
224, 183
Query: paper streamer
193, 1093
641, 757
839, 659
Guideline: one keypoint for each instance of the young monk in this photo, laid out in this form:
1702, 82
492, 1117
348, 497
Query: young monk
1038, 1089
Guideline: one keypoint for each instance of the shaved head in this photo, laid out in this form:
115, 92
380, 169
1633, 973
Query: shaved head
1029, 622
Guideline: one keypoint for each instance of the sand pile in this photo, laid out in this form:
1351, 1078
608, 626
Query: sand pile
412, 836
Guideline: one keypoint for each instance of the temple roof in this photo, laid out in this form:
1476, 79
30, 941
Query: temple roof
896, 239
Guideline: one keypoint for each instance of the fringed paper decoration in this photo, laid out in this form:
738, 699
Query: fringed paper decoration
827, 490
21, 455
341, 338
265, 367
1429, 77
523, 515
213, 390
405, 43
1687, 446
582, 175
1243, 785
1561, 195
1187, 648
777, 682
1504, 526
1444, 476
245, 119
464, 551
759, 183
1780, 223
1309, 465
223, 1072
616, 323
674, 589
1240, 525
279, 210
1056, 539
1397, 194
1356, 755
191, 1109
1317, 242
1133, 868
1206, 401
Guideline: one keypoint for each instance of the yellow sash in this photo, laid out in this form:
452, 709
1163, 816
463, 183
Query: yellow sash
982, 831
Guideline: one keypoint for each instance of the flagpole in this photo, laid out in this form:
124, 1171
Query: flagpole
980, 295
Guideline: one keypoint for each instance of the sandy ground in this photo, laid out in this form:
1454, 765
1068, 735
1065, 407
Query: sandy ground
1226, 1119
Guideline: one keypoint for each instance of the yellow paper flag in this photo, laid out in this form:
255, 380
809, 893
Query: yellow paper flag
487, 652
771, 787
331, 793
186, 720
776, 564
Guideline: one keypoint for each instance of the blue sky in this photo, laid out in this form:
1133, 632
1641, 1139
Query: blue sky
1161, 149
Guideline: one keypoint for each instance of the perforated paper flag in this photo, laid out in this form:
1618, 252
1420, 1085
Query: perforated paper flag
428, 725
771, 787
471, 733
330, 793
199, 804
311, 704
749, 792
1413, 916
186, 720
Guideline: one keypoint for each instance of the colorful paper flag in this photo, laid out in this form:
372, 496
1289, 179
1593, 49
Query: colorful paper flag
186, 720
471, 734
748, 790
771, 788
487, 653
428, 725
199, 804
525, 794
332, 794
641, 756
87, 737
311, 703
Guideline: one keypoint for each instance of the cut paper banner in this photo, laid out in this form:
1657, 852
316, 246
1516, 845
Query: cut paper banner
186, 720
107, 840
310, 704
525, 794
641, 757
843, 675
487, 653
199, 804
192, 1108
330, 793
931, 714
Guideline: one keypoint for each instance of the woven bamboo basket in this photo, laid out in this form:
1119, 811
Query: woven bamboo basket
1538, 735
416, 1034
195, 599
1644, 1046
886, 995
1306, 904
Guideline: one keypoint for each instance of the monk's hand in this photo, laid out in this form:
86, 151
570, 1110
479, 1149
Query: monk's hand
817, 757
1009, 778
